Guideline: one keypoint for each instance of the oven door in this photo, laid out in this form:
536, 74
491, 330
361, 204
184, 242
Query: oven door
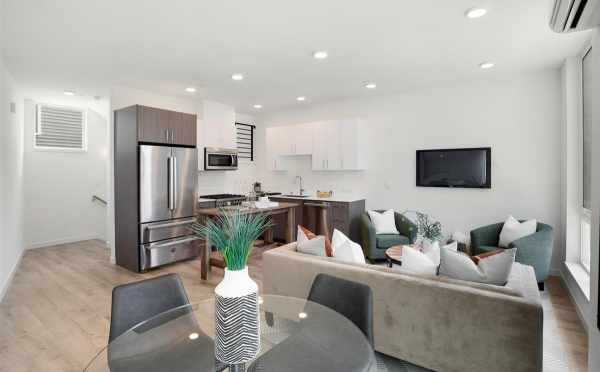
220, 160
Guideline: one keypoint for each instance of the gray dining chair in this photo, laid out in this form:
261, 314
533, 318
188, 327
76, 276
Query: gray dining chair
302, 352
351, 299
144, 302
134, 303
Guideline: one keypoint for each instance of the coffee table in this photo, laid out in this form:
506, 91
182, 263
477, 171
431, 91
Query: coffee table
394, 255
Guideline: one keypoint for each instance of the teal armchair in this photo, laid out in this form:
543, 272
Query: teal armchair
533, 250
374, 245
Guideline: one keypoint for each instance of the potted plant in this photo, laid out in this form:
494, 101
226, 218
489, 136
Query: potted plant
237, 332
428, 229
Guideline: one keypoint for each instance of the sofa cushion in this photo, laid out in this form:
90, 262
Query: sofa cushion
384, 241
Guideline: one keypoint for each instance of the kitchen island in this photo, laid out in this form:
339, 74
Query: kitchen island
285, 210
324, 215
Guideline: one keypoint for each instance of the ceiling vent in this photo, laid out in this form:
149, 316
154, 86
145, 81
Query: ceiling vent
575, 15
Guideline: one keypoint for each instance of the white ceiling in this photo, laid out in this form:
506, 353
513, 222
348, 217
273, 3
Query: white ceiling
160, 45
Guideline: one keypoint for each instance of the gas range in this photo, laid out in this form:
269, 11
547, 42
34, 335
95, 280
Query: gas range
223, 200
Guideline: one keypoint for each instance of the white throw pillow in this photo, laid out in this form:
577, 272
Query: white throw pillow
432, 250
301, 236
415, 262
513, 230
315, 246
345, 249
384, 223
491, 270
497, 267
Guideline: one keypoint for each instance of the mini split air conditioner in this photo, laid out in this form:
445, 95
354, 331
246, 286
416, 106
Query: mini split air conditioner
575, 15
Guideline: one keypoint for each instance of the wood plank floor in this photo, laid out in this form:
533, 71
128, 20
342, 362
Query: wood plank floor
56, 314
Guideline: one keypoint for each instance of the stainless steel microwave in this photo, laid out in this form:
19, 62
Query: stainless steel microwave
220, 159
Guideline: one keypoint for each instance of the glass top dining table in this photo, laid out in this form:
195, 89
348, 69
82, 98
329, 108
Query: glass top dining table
295, 335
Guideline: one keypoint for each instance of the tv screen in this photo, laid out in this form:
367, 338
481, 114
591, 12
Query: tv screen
469, 168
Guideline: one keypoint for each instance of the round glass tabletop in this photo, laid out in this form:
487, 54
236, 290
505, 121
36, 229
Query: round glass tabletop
295, 335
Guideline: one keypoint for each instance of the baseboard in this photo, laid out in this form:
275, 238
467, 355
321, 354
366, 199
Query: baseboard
73, 239
568, 282
10, 277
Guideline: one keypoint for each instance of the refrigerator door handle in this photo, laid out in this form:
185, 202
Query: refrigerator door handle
175, 186
171, 186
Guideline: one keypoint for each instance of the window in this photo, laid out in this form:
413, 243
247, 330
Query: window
60, 128
586, 177
245, 140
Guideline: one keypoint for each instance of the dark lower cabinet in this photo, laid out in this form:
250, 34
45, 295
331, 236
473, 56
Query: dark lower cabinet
343, 216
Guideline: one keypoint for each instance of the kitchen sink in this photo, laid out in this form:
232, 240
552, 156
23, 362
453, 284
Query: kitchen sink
296, 196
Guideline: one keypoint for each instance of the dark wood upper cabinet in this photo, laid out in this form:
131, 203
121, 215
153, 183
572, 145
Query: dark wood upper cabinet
153, 125
166, 127
183, 127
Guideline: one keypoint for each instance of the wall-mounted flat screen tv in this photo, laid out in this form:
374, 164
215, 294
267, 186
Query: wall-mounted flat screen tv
468, 168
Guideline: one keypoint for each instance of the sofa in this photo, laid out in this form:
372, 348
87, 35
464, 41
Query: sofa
434, 322
533, 250
374, 245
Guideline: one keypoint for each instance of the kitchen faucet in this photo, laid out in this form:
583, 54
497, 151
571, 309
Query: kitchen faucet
300, 189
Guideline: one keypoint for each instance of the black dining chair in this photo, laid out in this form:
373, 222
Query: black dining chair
143, 301
300, 352
351, 299
134, 303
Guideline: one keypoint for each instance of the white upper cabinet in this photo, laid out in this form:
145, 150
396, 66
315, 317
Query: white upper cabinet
352, 146
218, 124
325, 154
334, 145
339, 145
275, 140
297, 139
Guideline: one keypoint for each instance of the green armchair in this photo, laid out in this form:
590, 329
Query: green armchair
533, 250
374, 245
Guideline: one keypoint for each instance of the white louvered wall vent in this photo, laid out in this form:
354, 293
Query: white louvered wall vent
60, 128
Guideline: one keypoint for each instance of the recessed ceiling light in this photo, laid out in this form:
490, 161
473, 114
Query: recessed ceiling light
193, 336
190, 89
370, 85
237, 77
486, 65
475, 13
320, 54
258, 107
301, 98
69, 93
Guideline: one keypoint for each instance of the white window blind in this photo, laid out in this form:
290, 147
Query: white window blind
60, 128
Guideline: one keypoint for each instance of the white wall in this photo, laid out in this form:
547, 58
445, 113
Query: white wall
11, 177
519, 117
59, 185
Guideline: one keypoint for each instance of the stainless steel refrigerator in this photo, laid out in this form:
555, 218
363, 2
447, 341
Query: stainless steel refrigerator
167, 188
155, 169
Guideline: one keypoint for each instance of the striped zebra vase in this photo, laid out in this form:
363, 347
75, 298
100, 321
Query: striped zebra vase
237, 322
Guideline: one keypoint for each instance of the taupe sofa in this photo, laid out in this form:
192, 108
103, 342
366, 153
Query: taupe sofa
439, 323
